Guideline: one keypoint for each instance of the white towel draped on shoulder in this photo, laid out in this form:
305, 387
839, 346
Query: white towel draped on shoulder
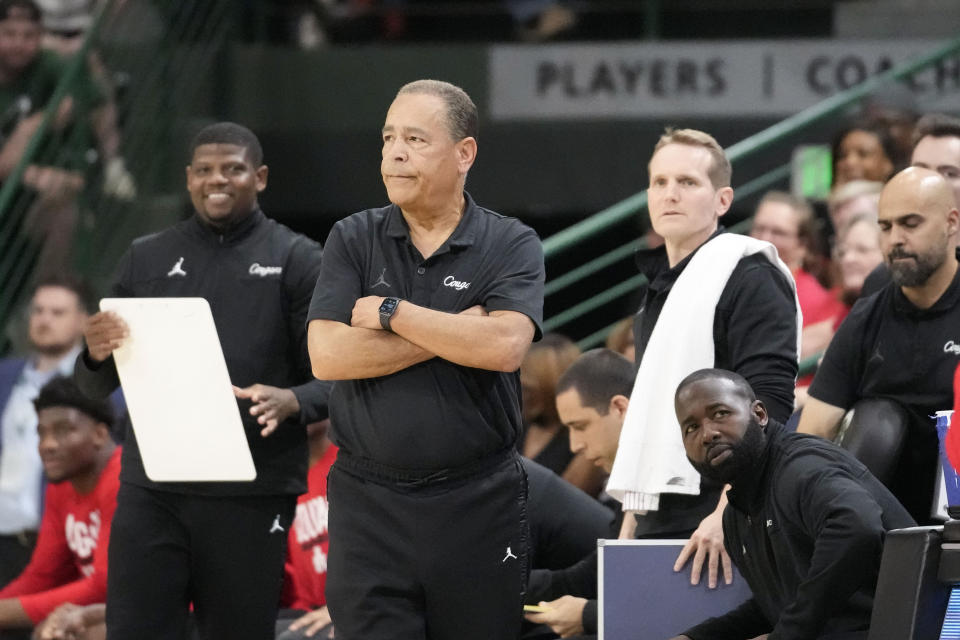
651, 459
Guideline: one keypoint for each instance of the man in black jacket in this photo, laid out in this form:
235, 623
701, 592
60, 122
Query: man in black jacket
217, 545
805, 522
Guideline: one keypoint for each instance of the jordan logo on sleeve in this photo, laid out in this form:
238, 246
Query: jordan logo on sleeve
509, 555
276, 525
177, 269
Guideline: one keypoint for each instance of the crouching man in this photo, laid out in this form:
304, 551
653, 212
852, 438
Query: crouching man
805, 521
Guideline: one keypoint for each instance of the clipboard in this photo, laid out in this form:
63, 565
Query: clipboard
178, 392
642, 597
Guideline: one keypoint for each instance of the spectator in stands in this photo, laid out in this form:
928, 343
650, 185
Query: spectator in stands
176, 543
786, 222
58, 311
899, 344
805, 523
545, 441
423, 312
937, 147
863, 152
65, 23
750, 325
28, 77
851, 199
308, 545
82, 465
858, 253
592, 400
540, 20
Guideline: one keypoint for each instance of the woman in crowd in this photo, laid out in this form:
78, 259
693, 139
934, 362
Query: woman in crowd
864, 152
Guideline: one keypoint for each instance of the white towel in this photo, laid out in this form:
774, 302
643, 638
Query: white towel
651, 459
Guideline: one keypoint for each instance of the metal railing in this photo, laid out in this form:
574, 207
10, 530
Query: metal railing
153, 83
575, 235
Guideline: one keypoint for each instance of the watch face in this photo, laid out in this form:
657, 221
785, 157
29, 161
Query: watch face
389, 305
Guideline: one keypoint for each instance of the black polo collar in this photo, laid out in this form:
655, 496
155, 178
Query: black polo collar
464, 235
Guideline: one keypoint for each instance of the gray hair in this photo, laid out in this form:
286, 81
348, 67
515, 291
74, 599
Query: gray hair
461, 112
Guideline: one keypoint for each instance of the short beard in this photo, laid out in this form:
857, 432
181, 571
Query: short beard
747, 455
915, 274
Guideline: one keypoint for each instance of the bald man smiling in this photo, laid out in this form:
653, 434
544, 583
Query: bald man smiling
903, 342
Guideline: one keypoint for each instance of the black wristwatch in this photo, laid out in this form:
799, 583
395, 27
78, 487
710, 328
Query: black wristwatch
387, 308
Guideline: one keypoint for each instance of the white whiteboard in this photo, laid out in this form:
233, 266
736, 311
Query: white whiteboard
178, 391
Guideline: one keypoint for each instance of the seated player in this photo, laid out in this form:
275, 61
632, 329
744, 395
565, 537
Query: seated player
82, 465
307, 547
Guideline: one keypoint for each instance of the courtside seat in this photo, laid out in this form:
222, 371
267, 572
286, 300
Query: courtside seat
911, 599
875, 435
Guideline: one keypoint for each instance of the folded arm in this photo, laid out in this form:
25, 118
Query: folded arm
496, 342
341, 352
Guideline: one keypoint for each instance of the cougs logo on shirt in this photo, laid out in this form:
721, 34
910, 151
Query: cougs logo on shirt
82, 538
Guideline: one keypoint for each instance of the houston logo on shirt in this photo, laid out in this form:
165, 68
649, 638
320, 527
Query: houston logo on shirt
310, 528
82, 539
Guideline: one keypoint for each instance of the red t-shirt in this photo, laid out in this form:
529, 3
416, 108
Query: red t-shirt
69, 563
816, 303
308, 543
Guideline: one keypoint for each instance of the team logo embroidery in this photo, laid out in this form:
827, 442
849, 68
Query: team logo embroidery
257, 270
952, 347
276, 525
177, 269
453, 283
381, 281
508, 556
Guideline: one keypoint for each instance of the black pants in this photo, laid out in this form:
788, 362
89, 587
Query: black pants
168, 550
445, 560
15, 551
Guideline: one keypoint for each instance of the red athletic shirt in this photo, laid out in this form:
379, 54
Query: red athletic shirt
308, 543
69, 563
816, 303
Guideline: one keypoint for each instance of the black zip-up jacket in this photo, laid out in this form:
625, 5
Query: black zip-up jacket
258, 277
805, 527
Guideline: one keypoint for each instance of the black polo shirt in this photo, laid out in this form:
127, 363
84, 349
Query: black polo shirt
888, 348
434, 415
